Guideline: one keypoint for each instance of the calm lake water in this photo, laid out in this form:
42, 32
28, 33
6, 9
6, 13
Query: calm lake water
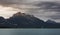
29, 31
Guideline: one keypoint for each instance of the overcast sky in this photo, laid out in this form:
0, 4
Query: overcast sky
43, 9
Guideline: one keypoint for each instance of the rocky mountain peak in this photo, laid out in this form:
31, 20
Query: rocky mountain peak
19, 14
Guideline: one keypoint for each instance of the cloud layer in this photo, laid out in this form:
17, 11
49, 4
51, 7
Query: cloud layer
43, 9
51, 9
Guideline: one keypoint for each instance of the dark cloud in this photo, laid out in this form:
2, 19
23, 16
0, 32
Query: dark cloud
10, 1
55, 17
49, 6
50, 10
6, 2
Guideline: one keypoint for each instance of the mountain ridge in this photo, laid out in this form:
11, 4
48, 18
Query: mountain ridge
22, 20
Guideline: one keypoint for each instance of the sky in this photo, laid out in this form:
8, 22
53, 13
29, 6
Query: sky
42, 9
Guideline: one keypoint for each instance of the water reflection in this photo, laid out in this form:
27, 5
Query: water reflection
29, 31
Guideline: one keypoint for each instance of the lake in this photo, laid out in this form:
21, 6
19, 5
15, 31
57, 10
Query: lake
29, 31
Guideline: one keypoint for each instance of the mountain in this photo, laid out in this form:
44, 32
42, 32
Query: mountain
22, 20
50, 21
51, 24
25, 21
4, 23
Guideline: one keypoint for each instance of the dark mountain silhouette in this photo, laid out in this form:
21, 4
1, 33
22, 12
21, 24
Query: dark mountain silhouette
22, 20
50, 21
4, 23
51, 24
25, 21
